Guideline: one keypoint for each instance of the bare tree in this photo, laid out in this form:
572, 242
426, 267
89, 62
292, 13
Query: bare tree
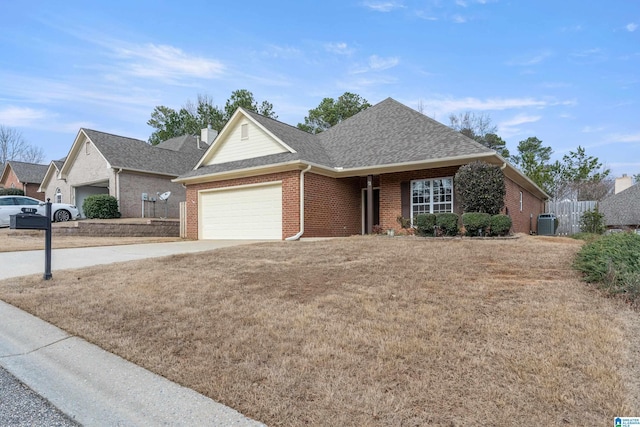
472, 125
14, 147
479, 128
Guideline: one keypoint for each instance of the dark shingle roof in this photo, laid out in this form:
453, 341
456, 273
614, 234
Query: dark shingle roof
391, 133
388, 133
58, 163
622, 209
306, 145
28, 173
128, 153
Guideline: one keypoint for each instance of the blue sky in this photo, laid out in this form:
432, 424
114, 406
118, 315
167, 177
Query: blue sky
567, 72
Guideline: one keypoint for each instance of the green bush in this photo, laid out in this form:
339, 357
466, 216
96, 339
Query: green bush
101, 206
480, 187
613, 262
11, 192
476, 223
447, 223
500, 225
592, 221
404, 222
425, 224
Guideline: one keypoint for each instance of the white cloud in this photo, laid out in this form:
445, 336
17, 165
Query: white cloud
509, 128
22, 116
383, 6
529, 60
591, 129
282, 52
378, 64
458, 19
519, 120
451, 105
461, 3
340, 48
587, 52
625, 138
167, 62
631, 27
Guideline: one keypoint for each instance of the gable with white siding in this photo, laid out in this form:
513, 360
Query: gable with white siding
242, 139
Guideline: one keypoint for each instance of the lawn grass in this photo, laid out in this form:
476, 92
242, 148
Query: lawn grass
34, 241
365, 330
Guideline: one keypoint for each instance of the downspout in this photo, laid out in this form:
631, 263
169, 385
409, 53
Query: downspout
118, 186
297, 236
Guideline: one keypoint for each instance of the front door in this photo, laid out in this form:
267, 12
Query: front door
376, 209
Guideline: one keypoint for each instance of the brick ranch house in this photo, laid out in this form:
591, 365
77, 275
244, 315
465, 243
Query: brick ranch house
260, 177
23, 176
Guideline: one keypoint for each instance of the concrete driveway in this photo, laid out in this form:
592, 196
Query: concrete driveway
15, 264
84, 382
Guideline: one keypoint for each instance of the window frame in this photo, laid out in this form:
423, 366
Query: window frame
431, 202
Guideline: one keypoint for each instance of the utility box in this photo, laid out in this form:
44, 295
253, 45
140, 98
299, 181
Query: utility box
547, 224
28, 221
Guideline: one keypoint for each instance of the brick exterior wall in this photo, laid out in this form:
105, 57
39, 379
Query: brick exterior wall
525, 220
333, 207
30, 190
390, 202
290, 199
391, 208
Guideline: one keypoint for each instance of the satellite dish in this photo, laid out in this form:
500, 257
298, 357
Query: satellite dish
165, 195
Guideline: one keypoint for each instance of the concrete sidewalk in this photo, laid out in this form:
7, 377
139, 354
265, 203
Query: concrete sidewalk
90, 385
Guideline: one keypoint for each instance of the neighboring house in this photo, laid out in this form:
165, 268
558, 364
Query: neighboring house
131, 170
261, 176
622, 210
24, 176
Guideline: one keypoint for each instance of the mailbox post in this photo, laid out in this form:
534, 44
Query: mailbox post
30, 220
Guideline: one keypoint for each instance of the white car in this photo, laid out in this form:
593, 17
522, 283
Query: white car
11, 205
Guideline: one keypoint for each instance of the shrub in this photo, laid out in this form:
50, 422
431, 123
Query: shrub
613, 262
11, 192
101, 206
404, 222
592, 221
500, 225
425, 224
480, 187
377, 229
476, 223
447, 223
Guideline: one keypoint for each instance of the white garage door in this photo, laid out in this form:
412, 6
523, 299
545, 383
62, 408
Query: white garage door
251, 212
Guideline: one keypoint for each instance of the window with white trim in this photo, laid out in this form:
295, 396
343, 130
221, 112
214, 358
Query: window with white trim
431, 196
58, 196
244, 131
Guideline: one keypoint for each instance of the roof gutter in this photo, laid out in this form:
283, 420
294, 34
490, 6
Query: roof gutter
301, 232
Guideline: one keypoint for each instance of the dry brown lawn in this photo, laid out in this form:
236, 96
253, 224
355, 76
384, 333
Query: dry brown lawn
34, 240
365, 331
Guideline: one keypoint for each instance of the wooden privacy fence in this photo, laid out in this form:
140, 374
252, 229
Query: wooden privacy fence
569, 214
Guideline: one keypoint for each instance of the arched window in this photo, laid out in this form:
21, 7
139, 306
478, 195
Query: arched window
58, 196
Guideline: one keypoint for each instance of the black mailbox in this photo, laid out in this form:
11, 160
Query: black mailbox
28, 221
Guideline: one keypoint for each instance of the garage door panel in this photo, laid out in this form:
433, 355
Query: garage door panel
242, 213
